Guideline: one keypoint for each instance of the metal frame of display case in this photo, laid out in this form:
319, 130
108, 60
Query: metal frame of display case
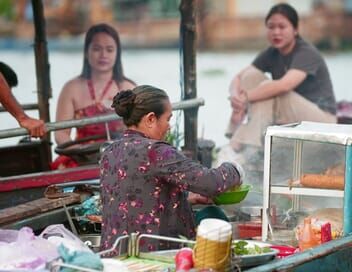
317, 132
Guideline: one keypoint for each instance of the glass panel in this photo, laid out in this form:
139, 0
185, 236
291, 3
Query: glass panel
323, 165
285, 218
281, 161
297, 163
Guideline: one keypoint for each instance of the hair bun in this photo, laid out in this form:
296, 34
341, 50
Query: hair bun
123, 103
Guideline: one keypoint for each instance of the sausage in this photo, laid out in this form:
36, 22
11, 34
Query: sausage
323, 181
95, 218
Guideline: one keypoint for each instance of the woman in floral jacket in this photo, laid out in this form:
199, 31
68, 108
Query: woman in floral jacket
144, 180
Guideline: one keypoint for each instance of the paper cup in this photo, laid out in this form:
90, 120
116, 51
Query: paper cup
213, 245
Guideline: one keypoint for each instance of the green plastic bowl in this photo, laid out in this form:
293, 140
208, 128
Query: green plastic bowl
232, 196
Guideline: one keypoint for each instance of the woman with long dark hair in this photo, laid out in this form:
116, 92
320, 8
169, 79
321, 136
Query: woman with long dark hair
91, 93
300, 88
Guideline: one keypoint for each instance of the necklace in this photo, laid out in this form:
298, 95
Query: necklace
104, 92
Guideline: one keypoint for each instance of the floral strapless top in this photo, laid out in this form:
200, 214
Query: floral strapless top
99, 128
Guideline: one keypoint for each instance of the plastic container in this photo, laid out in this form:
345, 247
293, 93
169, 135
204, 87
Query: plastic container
210, 212
307, 238
232, 196
284, 251
249, 230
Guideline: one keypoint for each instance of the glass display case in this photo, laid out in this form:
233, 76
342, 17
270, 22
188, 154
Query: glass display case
307, 172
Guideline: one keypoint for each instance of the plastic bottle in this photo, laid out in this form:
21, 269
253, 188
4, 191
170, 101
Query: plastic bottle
307, 238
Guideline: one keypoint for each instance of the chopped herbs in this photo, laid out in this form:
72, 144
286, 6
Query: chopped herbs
242, 248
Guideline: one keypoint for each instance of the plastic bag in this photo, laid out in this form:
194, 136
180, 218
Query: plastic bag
58, 234
8, 236
23, 250
80, 258
91, 205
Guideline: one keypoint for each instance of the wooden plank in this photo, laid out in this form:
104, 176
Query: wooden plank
35, 207
47, 178
144, 265
42, 220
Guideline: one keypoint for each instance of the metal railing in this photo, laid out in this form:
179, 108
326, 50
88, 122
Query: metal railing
52, 126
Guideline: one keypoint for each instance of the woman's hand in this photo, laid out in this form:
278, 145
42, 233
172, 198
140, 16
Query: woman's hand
239, 101
35, 127
239, 104
194, 198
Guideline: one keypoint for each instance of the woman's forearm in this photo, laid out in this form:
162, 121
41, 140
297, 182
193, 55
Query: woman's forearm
9, 101
235, 84
265, 90
62, 136
272, 88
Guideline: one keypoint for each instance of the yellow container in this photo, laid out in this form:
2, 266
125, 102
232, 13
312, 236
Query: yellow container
213, 245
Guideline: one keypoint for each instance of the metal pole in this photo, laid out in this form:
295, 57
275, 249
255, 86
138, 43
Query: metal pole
347, 210
7, 133
42, 66
188, 72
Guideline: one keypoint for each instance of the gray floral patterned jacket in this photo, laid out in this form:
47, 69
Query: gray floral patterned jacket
142, 187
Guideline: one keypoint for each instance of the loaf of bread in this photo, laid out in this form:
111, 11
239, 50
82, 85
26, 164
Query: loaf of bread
323, 181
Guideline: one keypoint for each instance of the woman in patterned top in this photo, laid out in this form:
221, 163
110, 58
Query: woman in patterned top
144, 180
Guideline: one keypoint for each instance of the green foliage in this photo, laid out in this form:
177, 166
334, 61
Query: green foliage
6, 9
170, 137
174, 136
190, 245
127, 10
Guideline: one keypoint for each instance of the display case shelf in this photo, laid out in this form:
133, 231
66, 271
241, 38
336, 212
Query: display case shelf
306, 191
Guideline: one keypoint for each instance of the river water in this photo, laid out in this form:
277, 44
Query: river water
161, 68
